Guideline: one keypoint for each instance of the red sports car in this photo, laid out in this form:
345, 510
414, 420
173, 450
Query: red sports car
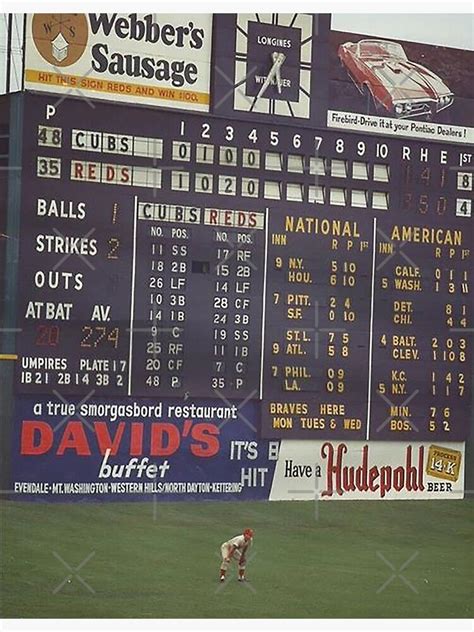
391, 82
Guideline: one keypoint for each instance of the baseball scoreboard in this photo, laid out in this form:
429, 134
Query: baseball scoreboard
324, 274
290, 231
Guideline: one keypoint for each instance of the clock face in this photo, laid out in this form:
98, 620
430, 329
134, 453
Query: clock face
273, 63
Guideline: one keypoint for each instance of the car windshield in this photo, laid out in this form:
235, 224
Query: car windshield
378, 48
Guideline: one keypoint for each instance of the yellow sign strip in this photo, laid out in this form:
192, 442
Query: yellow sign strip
76, 83
8, 356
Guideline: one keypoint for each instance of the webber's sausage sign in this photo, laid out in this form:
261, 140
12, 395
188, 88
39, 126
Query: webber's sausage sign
154, 59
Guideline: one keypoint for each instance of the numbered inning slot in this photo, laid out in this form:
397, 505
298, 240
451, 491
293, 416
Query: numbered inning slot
181, 151
339, 168
318, 166
381, 173
360, 170
227, 185
228, 156
317, 194
204, 183
180, 180
205, 154
295, 192
380, 200
297, 163
251, 158
274, 161
250, 187
272, 190
359, 198
337, 197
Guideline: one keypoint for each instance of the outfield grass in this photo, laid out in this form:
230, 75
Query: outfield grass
162, 560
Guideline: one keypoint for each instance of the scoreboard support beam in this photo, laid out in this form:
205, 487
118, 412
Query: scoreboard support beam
8, 348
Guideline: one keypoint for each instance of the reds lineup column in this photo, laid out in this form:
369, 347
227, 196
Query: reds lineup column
197, 307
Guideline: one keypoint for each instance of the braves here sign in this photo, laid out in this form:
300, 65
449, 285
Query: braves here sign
154, 59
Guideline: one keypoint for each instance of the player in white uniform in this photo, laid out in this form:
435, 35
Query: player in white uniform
236, 548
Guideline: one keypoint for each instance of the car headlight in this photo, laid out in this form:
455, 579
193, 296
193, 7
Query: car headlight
399, 108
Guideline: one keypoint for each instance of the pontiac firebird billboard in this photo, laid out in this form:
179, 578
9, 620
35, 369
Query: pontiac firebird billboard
397, 87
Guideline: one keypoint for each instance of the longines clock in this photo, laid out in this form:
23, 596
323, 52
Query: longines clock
272, 68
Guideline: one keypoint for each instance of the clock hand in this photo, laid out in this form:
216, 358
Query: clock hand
278, 59
278, 73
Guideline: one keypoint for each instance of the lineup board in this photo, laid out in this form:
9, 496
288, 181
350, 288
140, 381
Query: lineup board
323, 274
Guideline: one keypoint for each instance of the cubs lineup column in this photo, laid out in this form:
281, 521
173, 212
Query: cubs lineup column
197, 287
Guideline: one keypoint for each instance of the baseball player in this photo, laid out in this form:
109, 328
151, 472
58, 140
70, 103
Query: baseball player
236, 548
